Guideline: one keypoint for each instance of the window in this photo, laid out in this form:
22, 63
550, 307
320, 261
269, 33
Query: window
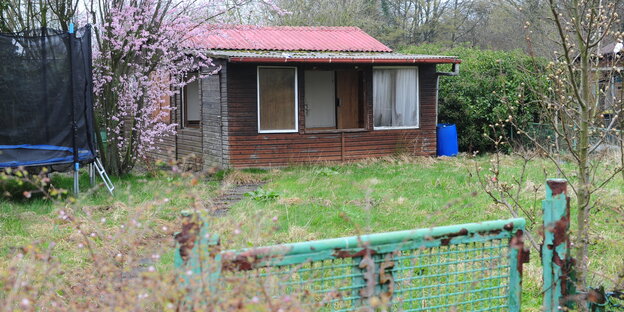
277, 99
191, 106
395, 98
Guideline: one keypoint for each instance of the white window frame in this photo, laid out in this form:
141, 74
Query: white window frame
184, 110
296, 129
417, 99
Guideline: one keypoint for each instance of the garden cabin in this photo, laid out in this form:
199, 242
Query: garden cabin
286, 95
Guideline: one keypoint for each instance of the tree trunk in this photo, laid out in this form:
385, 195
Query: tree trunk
584, 189
112, 162
111, 159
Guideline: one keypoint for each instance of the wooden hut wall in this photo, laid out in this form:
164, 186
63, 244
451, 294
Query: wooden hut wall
245, 147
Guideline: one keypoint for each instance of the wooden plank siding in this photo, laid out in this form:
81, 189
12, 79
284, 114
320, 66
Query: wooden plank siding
245, 147
184, 147
211, 124
164, 149
189, 140
225, 112
165, 146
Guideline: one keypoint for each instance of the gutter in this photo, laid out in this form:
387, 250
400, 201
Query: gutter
345, 60
455, 71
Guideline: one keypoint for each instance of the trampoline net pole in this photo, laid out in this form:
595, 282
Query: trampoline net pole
76, 178
91, 174
73, 106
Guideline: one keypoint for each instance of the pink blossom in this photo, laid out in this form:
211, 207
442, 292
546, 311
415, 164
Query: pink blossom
137, 64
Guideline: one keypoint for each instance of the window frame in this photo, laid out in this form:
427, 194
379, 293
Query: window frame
296, 82
193, 124
417, 98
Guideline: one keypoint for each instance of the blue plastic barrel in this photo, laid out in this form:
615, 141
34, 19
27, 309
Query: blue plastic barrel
447, 140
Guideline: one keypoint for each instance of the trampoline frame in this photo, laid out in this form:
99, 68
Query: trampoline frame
83, 155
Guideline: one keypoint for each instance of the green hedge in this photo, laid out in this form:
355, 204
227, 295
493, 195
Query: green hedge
490, 83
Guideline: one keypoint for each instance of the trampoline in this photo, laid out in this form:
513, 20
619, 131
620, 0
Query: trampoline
46, 99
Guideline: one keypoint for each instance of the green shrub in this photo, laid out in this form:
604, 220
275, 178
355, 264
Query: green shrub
490, 84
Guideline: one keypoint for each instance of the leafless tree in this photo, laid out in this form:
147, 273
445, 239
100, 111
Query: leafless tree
583, 116
19, 15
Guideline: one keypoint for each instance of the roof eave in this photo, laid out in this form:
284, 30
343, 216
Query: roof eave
341, 60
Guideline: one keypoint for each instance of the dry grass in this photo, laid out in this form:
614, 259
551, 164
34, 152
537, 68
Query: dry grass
238, 177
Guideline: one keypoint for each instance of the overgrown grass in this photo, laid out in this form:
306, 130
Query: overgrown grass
306, 202
374, 196
27, 220
317, 202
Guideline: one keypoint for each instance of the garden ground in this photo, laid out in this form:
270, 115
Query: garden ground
296, 204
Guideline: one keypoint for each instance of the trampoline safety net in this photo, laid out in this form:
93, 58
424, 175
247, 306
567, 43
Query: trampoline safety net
46, 98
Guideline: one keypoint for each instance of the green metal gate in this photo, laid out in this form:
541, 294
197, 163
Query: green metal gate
468, 267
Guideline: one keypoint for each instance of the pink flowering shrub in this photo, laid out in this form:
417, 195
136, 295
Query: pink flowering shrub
142, 56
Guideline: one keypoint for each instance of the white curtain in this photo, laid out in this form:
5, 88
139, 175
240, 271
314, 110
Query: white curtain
395, 97
382, 97
406, 108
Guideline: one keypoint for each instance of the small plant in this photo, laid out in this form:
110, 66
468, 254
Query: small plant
326, 172
220, 175
262, 195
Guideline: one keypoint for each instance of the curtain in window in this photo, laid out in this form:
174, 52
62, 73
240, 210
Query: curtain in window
383, 97
395, 97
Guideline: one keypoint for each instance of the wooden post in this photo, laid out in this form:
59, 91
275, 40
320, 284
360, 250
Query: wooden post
556, 247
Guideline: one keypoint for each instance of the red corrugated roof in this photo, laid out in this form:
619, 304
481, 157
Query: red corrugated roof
286, 38
330, 57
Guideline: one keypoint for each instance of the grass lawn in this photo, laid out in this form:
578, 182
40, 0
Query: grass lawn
313, 202
317, 202
156, 199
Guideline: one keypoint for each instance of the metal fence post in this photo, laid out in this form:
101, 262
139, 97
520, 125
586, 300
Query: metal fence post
518, 255
194, 246
556, 247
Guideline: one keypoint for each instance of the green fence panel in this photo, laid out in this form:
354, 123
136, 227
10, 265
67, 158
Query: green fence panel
467, 267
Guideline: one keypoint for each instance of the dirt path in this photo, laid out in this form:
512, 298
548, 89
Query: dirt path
221, 204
